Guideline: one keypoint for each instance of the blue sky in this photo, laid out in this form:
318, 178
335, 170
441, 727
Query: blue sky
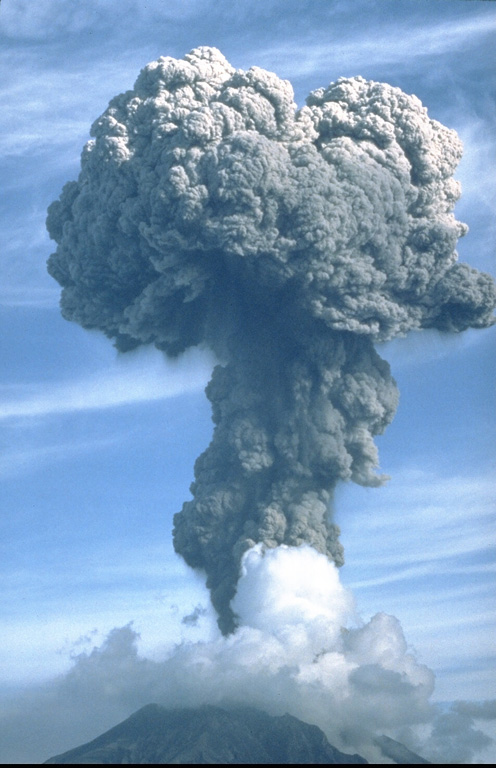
98, 448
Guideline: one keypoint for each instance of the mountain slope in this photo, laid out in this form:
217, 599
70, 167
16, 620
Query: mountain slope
243, 735
398, 752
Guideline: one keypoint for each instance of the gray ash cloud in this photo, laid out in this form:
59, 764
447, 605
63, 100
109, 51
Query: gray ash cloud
210, 211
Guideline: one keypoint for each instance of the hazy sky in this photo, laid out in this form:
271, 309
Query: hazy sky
98, 447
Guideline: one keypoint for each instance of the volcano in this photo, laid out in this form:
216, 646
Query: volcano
209, 734
215, 735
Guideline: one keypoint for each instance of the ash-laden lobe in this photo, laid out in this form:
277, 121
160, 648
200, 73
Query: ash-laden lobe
210, 211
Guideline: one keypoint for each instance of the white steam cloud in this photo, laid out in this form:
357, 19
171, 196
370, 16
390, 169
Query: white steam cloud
301, 648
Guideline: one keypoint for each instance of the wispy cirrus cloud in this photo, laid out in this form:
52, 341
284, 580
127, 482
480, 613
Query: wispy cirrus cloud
47, 112
26, 20
452, 515
33, 21
20, 460
429, 568
123, 385
389, 44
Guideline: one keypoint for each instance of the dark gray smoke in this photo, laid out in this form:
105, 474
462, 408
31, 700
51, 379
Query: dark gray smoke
209, 211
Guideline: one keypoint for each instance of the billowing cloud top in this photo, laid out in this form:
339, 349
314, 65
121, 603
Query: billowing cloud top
209, 210
343, 207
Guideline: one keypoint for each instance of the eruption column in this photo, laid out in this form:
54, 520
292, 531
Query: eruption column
210, 211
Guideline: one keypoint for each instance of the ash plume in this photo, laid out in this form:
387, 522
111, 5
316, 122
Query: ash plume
211, 211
